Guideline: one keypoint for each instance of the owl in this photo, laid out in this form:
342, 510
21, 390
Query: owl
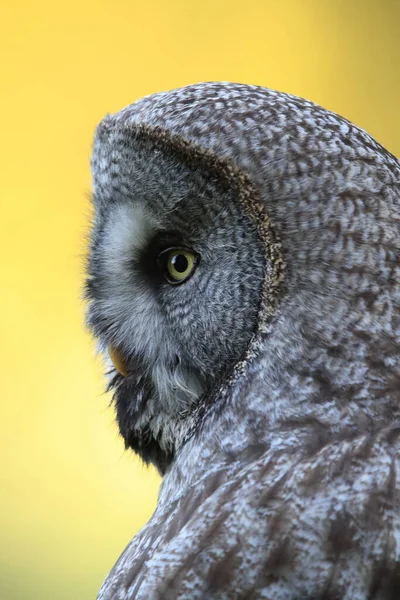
243, 284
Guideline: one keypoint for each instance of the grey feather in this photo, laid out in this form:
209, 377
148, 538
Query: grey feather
266, 388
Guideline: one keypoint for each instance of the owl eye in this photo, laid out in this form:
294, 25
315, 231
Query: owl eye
177, 264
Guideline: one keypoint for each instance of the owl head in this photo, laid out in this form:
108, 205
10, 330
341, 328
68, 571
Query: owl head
233, 222
175, 276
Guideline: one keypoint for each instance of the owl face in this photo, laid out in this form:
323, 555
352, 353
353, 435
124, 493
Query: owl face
174, 278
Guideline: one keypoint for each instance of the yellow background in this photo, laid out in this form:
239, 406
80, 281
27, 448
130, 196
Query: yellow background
70, 497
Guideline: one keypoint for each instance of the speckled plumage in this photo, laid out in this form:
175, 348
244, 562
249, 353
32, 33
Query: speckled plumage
266, 389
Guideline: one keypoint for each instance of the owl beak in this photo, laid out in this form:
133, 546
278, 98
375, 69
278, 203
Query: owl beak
117, 360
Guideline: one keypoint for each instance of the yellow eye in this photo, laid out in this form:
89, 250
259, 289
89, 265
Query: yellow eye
178, 264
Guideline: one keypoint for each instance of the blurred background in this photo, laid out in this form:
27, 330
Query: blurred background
71, 498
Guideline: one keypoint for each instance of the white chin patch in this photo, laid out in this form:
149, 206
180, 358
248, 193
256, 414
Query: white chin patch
177, 390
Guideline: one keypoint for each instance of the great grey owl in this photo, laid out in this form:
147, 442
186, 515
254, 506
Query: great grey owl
244, 283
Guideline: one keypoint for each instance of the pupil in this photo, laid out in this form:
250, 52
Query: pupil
180, 263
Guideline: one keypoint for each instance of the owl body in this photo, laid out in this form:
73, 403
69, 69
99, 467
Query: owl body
245, 264
275, 528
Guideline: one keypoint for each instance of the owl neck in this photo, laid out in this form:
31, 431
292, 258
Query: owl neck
323, 388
